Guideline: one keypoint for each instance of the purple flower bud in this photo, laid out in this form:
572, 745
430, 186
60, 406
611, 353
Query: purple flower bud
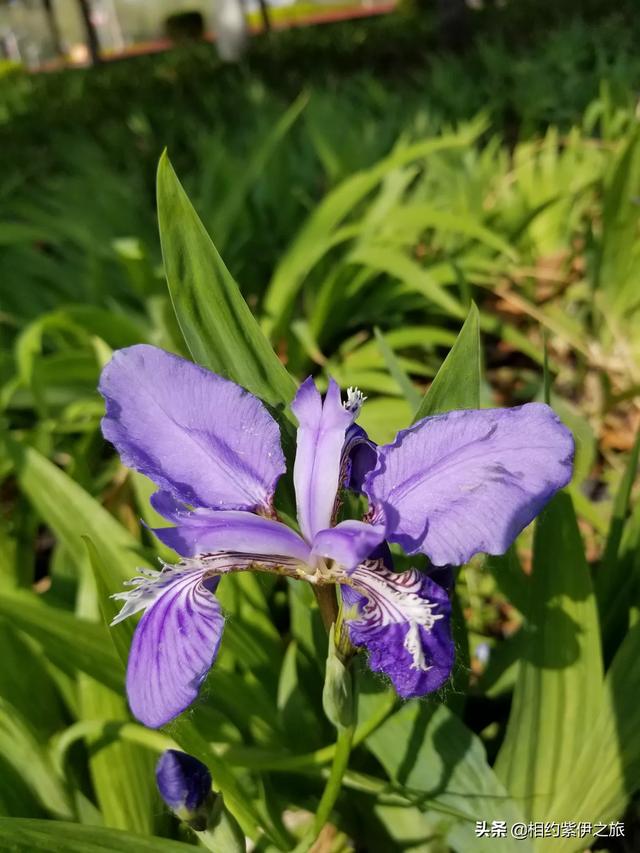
184, 782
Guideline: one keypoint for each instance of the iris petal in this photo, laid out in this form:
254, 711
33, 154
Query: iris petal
402, 619
358, 458
469, 481
173, 648
206, 531
321, 436
348, 543
177, 639
199, 437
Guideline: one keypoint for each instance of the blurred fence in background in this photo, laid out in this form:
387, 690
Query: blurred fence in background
37, 32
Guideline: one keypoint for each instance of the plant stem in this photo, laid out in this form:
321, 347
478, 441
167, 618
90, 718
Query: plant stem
328, 603
332, 788
334, 783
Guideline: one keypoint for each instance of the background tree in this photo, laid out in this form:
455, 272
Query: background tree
93, 43
54, 30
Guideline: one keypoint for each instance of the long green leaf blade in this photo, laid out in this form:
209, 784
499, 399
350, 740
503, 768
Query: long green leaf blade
18, 835
19, 741
218, 326
607, 772
559, 685
614, 580
226, 213
121, 772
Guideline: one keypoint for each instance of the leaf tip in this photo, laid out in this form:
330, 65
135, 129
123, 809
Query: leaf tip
165, 169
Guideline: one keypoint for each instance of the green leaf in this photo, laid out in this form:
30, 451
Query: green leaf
436, 761
457, 383
12, 233
606, 774
69, 642
390, 827
16, 797
72, 513
223, 833
614, 578
24, 665
297, 714
396, 370
318, 234
122, 633
399, 266
249, 633
218, 326
416, 218
18, 835
546, 374
510, 577
121, 772
21, 747
306, 623
615, 261
621, 507
559, 683
383, 417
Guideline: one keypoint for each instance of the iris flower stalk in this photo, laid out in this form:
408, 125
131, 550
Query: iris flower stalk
449, 486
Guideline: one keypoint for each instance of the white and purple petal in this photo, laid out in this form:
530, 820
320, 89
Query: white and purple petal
469, 481
199, 437
205, 531
321, 433
173, 648
176, 641
403, 621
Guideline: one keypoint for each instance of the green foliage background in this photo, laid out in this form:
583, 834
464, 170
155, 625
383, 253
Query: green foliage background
360, 212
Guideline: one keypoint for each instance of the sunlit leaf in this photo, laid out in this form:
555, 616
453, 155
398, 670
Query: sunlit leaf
218, 326
437, 761
457, 383
559, 685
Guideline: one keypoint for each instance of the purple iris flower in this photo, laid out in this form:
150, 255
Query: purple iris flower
449, 486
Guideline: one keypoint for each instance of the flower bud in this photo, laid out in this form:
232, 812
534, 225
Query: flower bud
337, 694
184, 784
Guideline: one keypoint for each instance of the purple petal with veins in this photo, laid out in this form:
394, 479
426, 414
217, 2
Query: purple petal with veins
199, 437
469, 481
402, 620
177, 639
173, 648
